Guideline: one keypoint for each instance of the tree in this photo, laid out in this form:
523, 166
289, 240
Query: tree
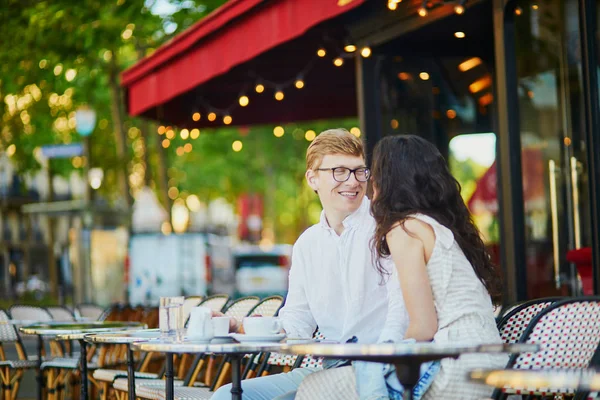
69, 53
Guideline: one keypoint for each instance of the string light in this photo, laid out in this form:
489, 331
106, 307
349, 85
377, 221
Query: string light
195, 133
237, 146
227, 119
259, 88
244, 101
459, 35
349, 48
196, 116
365, 52
422, 11
161, 130
321, 52
184, 134
299, 84
278, 131
338, 62
392, 5
212, 116
459, 8
279, 95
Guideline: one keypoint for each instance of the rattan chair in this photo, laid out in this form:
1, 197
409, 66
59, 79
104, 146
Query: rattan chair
568, 332
11, 370
517, 318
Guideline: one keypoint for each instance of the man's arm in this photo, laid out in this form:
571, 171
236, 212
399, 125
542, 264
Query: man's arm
296, 316
396, 322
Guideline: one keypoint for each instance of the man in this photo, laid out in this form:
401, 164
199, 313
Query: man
333, 284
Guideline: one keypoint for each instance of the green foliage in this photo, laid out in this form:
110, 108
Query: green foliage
268, 165
56, 55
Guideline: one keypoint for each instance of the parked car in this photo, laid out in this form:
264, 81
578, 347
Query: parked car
262, 272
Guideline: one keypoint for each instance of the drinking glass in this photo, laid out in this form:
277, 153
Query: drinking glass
170, 317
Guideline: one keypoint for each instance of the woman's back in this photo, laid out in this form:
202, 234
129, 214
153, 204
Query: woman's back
465, 315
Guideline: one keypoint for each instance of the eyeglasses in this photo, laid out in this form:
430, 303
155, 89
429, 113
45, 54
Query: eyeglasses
342, 174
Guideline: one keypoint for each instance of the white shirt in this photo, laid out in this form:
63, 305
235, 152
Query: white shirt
333, 284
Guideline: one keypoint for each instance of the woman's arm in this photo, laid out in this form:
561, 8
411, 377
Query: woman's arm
410, 252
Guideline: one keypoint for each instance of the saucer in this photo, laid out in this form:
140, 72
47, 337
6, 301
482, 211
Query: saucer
199, 340
243, 338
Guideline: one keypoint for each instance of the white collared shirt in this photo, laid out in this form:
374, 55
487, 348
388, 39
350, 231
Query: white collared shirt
334, 285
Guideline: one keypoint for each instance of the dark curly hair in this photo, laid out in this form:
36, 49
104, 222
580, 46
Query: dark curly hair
411, 177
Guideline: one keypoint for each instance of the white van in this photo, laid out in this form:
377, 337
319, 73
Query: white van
262, 272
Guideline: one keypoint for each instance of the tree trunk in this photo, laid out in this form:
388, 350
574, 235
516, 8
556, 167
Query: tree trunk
120, 139
161, 172
146, 132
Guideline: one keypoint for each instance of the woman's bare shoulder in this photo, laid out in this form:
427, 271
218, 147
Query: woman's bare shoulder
413, 228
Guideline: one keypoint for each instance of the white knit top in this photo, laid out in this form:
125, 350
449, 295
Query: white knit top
465, 317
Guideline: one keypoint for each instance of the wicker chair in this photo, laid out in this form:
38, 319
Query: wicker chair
155, 388
12, 370
90, 311
568, 332
517, 318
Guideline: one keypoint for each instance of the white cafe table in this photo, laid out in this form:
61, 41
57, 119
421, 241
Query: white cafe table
125, 337
406, 357
534, 380
235, 351
73, 331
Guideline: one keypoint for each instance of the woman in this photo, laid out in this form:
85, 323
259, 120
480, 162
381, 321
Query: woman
447, 279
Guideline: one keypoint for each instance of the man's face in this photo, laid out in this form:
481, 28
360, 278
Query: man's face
339, 197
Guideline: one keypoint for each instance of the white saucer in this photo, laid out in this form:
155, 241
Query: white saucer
240, 337
199, 340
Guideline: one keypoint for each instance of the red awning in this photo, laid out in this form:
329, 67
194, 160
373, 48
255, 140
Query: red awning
237, 33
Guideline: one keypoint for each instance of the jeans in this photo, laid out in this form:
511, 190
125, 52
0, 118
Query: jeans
279, 386
379, 381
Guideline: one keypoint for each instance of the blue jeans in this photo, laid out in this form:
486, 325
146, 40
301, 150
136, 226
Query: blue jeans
278, 386
379, 381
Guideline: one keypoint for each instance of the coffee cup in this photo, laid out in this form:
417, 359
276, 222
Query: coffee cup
200, 324
221, 325
262, 326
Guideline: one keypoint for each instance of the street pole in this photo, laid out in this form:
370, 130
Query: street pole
85, 119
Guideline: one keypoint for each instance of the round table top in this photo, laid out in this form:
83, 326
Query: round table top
534, 379
77, 330
399, 350
123, 337
191, 346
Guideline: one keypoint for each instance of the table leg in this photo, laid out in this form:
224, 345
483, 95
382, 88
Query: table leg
169, 376
83, 369
40, 374
408, 375
130, 374
236, 378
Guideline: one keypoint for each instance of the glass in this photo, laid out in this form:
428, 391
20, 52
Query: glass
170, 317
342, 174
553, 148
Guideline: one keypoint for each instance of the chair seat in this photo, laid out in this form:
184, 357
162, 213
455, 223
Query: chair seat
282, 359
109, 375
67, 363
539, 391
179, 393
121, 383
18, 364
192, 393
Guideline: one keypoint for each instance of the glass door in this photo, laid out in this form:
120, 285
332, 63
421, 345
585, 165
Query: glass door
554, 165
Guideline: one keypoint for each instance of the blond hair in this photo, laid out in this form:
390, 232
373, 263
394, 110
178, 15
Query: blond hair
333, 141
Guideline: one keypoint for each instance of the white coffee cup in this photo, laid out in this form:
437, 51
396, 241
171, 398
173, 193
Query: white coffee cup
221, 325
200, 324
262, 326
